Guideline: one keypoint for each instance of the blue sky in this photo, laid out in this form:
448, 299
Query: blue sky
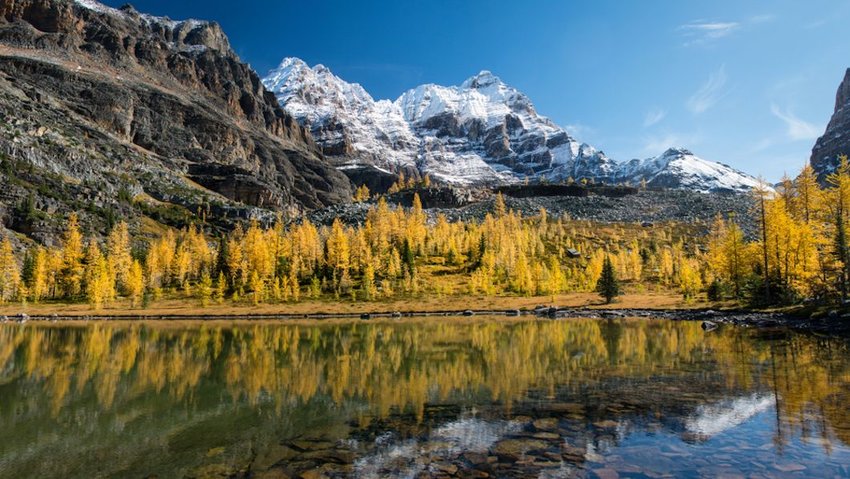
751, 84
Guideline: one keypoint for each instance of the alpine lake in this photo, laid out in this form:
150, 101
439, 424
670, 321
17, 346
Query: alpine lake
432, 397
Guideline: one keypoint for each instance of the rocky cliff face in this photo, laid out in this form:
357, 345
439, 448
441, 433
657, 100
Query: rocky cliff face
836, 140
482, 132
98, 101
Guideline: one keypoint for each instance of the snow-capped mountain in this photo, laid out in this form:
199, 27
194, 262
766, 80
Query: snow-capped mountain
679, 168
485, 130
350, 126
481, 132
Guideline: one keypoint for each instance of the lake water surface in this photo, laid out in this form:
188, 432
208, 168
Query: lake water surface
473, 397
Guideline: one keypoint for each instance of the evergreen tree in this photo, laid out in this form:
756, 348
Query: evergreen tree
608, 287
408, 258
222, 260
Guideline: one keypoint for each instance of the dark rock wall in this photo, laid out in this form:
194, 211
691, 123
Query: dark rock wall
169, 104
836, 140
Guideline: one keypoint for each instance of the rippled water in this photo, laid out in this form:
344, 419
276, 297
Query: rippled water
481, 397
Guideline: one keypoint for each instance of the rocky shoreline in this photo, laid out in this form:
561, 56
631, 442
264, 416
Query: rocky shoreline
834, 323
831, 324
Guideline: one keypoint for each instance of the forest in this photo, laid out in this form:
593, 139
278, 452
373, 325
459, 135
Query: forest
800, 253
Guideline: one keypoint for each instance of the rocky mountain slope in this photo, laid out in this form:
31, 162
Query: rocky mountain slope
481, 132
836, 139
113, 110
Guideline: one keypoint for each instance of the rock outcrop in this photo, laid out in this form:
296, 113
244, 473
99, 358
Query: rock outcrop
836, 139
97, 101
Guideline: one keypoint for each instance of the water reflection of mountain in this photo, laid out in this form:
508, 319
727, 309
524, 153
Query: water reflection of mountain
165, 398
712, 419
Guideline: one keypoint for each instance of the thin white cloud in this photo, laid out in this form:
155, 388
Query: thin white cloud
797, 129
655, 145
577, 130
703, 32
709, 93
700, 31
653, 116
765, 18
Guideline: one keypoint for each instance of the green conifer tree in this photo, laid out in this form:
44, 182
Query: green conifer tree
608, 287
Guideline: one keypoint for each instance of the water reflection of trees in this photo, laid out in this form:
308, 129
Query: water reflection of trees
390, 366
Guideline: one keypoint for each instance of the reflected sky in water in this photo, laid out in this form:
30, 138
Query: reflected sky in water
577, 398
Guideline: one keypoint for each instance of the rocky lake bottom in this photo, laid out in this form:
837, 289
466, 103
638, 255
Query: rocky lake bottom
427, 397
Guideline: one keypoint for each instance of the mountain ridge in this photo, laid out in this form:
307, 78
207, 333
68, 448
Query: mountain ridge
480, 132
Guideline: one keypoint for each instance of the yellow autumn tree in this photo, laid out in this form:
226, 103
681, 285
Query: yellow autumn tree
10, 273
119, 254
71, 276
135, 283
98, 282
40, 275
338, 252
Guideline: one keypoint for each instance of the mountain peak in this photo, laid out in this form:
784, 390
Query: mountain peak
484, 78
677, 151
290, 62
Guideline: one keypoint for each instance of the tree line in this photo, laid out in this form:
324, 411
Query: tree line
801, 252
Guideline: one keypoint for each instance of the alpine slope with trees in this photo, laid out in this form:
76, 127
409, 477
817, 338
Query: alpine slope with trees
800, 253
